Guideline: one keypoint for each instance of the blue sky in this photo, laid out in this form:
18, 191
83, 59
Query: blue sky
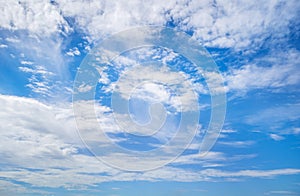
55, 92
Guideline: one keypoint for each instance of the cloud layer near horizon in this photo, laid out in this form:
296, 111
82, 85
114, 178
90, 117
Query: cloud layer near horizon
38, 145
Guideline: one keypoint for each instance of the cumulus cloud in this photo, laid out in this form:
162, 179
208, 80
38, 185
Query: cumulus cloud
236, 25
216, 23
73, 52
39, 145
231, 24
37, 17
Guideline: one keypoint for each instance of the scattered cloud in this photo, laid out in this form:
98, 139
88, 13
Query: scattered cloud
283, 71
26, 63
9, 188
276, 118
37, 17
33, 133
13, 39
237, 144
222, 24
3, 46
296, 130
40, 134
73, 52
276, 137
215, 23
39, 81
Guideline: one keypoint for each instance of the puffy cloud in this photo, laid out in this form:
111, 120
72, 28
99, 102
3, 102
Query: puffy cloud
234, 24
38, 17
73, 52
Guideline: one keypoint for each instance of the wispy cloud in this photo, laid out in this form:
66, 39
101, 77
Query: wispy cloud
271, 72
281, 193
276, 137
238, 144
40, 134
275, 120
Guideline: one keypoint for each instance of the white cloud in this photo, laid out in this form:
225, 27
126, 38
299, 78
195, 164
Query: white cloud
27, 63
238, 144
36, 133
84, 88
10, 188
13, 40
237, 25
296, 130
228, 131
44, 64
251, 173
38, 17
215, 82
81, 178
275, 117
3, 46
225, 133
276, 137
37, 120
101, 18
185, 99
282, 72
277, 121
232, 24
241, 24
207, 160
39, 80
73, 52
33, 134
281, 193
158, 83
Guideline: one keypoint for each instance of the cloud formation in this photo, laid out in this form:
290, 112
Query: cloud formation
39, 143
216, 23
238, 25
38, 146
